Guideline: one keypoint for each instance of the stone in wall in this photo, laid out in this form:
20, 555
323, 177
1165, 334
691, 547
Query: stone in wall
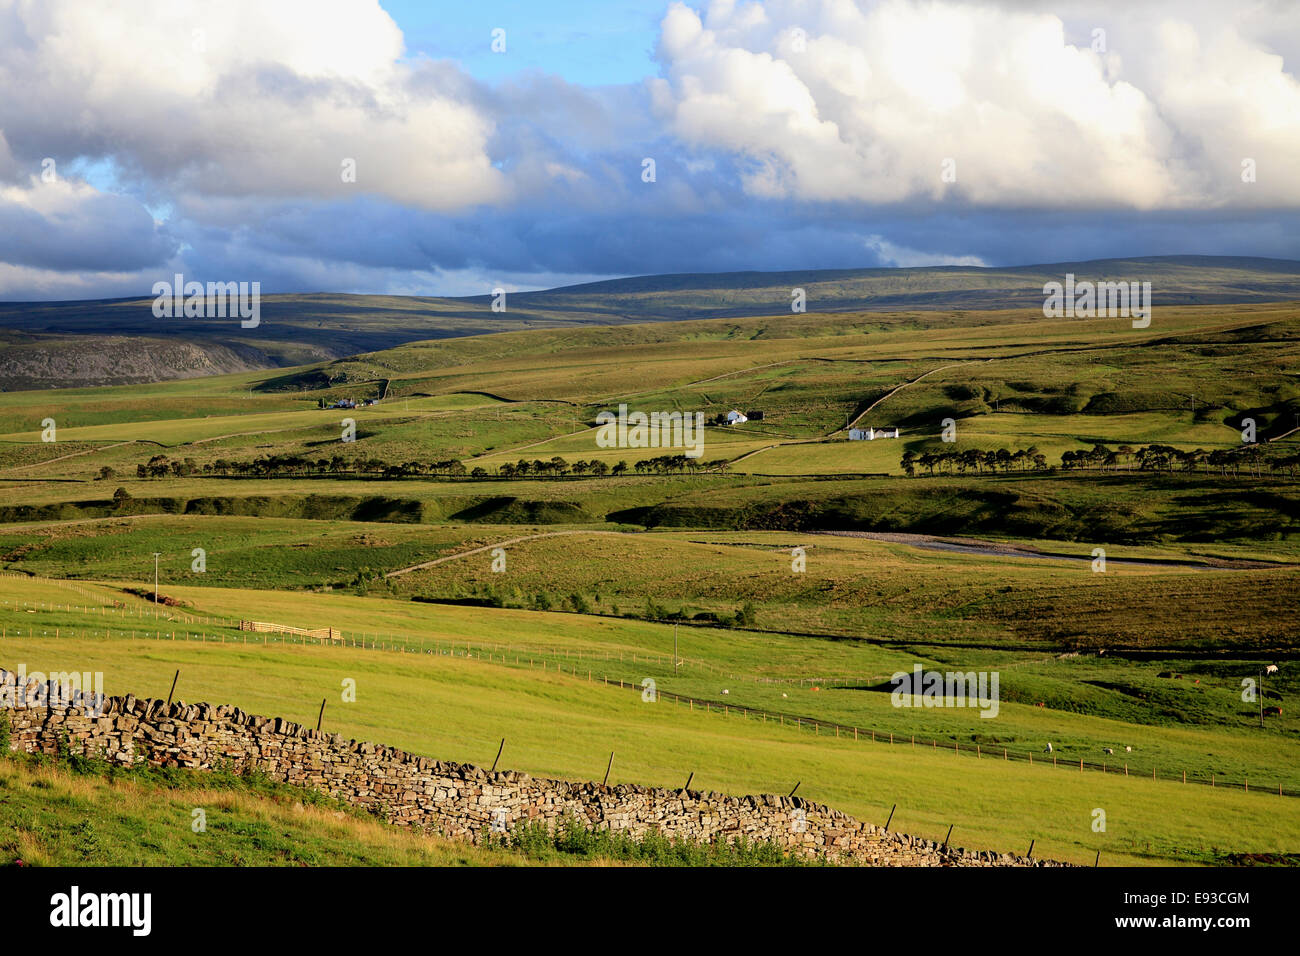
457, 800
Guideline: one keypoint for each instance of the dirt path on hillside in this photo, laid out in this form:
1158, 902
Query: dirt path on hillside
894, 391
531, 444
857, 418
975, 546
75, 454
997, 549
498, 544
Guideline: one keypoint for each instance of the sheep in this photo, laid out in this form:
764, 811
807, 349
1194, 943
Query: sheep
1108, 750
725, 691
1128, 750
1049, 748
1270, 669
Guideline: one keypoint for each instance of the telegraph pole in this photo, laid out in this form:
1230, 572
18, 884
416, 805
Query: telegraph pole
675, 649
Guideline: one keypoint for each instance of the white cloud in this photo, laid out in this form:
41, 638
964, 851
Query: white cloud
232, 120
242, 98
833, 100
891, 254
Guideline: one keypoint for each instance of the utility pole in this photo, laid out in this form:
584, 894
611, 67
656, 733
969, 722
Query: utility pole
675, 650
156, 555
1261, 697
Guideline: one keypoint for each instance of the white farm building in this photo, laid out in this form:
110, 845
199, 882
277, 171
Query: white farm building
871, 434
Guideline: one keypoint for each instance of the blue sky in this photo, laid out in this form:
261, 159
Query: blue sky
337, 145
590, 43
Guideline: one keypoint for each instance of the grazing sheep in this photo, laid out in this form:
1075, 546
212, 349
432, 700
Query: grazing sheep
725, 691
785, 695
1270, 669
1128, 750
1049, 748
1108, 750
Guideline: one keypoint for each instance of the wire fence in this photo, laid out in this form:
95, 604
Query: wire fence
581, 665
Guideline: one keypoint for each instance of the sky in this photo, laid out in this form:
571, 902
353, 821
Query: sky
440, 148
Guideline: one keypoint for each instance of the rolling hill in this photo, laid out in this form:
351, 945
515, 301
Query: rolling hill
63, 344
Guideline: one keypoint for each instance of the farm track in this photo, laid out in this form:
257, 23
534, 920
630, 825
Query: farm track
498, 544
992, 549
856, 418
894, 391
1002, 550
78, 454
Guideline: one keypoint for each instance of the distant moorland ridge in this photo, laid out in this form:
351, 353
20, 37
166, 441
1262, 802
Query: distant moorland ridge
120, 341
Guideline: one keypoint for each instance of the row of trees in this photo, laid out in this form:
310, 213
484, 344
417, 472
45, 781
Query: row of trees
282, 466
273, 466
1228, 461
973, 459
663, 465
1250, 458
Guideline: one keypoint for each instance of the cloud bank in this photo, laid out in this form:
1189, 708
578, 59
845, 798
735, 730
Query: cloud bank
297, 144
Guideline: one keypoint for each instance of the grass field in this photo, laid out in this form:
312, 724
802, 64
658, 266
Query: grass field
1197, 595
559, 723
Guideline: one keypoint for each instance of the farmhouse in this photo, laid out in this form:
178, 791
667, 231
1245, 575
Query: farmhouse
735, 418
871, 434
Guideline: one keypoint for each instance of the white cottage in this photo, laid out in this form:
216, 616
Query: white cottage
871, 434
735, 418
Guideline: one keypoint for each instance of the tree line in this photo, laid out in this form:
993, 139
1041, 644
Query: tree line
973, 459
1248, 457
1227, 461
297, 466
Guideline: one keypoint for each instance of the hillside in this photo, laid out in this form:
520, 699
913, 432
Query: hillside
60, 344
487, 560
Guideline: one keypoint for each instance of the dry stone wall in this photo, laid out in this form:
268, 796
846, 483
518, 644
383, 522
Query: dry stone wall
456, 800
